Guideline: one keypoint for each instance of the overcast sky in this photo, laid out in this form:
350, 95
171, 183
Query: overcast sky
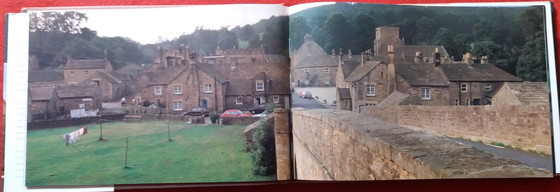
152, 24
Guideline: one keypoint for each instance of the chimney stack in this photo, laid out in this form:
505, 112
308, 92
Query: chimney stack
339, 55
391, 54
418, 57
467, 58
484, 60
349, 53
437, 57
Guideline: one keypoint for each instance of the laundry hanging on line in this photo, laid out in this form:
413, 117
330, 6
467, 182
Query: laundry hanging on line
75, 135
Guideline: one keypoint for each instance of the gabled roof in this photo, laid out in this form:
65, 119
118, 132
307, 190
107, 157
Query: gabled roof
167, 75
348, 67
211, 70
79, 90
395, 98
41, 93
45, 76
476, 72
361, 70
418, 74
529, 93
130, 69
87, 64
343, 93
107, 77
118, 76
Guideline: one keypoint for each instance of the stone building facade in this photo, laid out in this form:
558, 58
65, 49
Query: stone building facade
77, 96
76, 71
44, 103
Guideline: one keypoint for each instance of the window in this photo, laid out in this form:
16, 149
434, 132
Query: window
276, 99
96, 81
239, 101
327, 70
177, 105
487, 87
464, 87
370, 90
306, 70
72, 73
468, 102
425, 93
456, 102
157, 90
177, 89
259, 84
208, 88
306, 82
86, 73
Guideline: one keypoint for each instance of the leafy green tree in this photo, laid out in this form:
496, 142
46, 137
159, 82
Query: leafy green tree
255, 41
425, 28
66, 22
362, 27
336, 31
227, 39
263, 151
246, 32
531, 65
298, 29
275, 37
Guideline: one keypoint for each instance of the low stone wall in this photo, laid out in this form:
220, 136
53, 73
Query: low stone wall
525, 127
239, 120
342, 145
71, 121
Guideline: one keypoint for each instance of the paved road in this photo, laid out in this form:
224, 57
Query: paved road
306, 103
527, 158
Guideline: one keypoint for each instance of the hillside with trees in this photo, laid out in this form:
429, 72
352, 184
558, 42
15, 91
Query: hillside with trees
512, 38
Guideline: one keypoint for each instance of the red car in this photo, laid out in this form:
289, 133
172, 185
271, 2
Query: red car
235, 113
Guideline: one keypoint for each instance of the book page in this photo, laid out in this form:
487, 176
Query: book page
435, 91
175, 94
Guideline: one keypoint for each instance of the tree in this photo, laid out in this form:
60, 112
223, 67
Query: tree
263, 151
275, 37
531, 65
298, 29
66, 22
336, 31
246, 32
425, 27
362, 27
227, 39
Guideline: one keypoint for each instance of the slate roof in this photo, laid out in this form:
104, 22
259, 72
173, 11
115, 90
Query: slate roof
343, 93
418, 74
395, 98
348, 67
239, 87
41, 93
211, 70
45, 76
476, 72
362, 70
130, 69
530, 93
317, 61
87, 64
107, 77
79, 90
168, 75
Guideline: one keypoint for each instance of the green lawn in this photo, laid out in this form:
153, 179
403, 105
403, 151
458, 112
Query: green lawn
198, 153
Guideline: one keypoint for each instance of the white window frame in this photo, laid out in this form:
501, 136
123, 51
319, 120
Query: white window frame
370, 90
158, 90
86, 73
327, 70
238, 101
426, 93
208, 88
177, 105
276, 99
456, 102
487, 87
468, 102
72, 73
259, 85
464, 87
177, 90
306, 70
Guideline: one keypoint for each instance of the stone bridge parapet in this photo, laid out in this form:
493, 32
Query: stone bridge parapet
342, 145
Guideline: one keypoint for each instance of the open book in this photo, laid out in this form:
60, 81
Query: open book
209, 94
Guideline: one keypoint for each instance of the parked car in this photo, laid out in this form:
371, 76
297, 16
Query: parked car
307, 95
197, 111
257, 109
235, 113
260, 115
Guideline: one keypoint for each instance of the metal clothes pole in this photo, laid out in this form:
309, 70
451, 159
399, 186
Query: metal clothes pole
126, 154
101, 129
168, 132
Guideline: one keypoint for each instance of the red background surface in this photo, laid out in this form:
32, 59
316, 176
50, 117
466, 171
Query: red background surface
454, 185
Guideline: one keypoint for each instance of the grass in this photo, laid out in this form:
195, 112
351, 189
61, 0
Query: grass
198, 153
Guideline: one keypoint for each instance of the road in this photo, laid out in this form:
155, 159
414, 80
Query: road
306, 103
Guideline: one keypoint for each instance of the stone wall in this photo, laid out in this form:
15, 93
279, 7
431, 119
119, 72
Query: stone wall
71, 122
525, 127
239, 120
342, 145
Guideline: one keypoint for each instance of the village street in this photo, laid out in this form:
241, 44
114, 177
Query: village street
306, 103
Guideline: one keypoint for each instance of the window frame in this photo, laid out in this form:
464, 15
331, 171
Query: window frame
259, 87
158, 90
177, 105
370, 90
305, 70
178, 91
426, 93
487, 87
237, 101
464, 88
208, 88
327, 70
72, 74
276, 99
